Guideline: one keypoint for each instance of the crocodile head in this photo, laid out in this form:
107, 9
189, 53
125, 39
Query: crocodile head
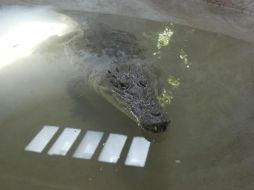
131, 90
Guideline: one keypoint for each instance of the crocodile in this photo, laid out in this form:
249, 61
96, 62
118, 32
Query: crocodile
117, 70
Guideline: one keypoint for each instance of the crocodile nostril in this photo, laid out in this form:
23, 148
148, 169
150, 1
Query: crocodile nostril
156, 113
164, 127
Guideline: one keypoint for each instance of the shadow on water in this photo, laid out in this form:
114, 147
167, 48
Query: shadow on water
83, 107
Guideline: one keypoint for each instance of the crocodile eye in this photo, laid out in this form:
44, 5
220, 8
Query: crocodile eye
142, 83
124, 86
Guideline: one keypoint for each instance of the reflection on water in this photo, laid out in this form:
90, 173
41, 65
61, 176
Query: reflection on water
22, 29
210, 143
184, 57
165, 98
164, 38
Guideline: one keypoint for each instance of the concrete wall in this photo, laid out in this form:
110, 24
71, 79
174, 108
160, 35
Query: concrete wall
231, 17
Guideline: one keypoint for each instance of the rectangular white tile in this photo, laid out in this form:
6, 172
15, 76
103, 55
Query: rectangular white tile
88, 145
64, 142
42, 138
112, 148
138, 152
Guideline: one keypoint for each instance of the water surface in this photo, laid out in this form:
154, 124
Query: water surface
207, 80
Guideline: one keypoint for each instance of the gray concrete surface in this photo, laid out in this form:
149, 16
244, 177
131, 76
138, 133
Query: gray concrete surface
231, 17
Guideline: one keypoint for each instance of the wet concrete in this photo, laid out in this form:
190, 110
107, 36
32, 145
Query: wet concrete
230, 17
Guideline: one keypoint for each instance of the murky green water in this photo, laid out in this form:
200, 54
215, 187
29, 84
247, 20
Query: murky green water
210, 142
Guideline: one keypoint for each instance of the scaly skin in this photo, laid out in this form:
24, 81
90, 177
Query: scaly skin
125, 82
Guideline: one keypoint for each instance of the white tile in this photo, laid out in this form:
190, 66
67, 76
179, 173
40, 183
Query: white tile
112, 148
64, 142
88, 145
42, 138
138, 152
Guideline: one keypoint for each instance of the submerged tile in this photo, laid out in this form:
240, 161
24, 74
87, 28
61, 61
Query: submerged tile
42, 138
112, 148
88, 145
64, 142
138, 152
